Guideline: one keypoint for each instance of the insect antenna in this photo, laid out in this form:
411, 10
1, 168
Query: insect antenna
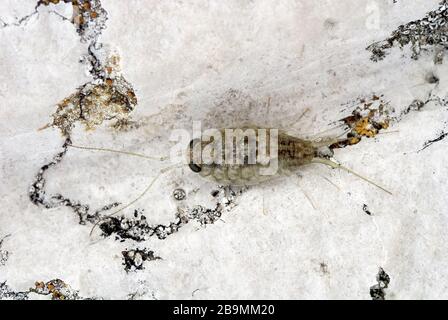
137, 198
336, 165
134, 154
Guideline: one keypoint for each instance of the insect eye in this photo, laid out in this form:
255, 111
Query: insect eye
194, 167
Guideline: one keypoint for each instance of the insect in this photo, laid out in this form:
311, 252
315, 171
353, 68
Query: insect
292, 154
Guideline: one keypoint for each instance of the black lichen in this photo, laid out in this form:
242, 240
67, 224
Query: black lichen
7, 293
4, 254
134, 259
430, 31
377, 291
138, 228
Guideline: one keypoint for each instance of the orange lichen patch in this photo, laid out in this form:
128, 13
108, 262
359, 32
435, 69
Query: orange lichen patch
113, 64
353, 140
39, 285
131, 94
364, 128
57, 288
88, 16
95, 103
86, 6
109, 97
78, 19
367, 120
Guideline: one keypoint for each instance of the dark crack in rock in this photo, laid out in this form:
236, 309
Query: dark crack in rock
22, 20
6, 293
56, 289
108, 97
136, 228
89, 17
134, 259
38, 195
139, 229
429, 143
377, 292
430, 31
4, 254
37, 192
418, 105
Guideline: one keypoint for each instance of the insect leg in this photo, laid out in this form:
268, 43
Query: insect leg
305, 193
297, 120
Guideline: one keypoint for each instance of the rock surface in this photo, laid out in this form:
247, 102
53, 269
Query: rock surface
124, 74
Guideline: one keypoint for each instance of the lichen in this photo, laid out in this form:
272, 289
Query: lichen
4, 254
89, 17
6, 293
430, 31
378, 291
109, 96
92, 104
57, 289
369, 117
134, 259
138, 228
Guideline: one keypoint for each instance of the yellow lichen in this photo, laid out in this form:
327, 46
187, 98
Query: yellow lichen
367, 120
364, 128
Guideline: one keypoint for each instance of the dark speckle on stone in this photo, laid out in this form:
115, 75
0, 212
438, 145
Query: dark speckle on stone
366, 210
214, 193
432, 78
377, 291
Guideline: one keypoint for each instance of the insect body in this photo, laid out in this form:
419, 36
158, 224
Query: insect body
290, 155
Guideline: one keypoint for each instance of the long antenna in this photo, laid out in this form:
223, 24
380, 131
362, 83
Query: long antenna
336, 165
118, 151
136, 199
